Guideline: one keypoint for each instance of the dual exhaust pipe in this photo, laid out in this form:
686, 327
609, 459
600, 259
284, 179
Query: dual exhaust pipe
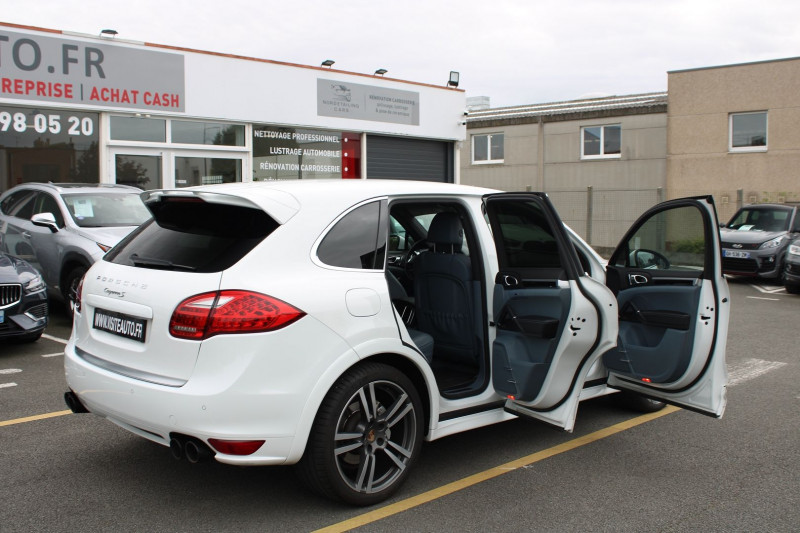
181, 446
194, 450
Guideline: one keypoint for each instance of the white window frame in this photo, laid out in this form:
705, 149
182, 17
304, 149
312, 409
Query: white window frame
601, 155
732, 148
489, 160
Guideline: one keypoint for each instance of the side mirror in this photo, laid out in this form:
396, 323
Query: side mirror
45, 220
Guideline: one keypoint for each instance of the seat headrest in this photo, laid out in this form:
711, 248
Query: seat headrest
446, 231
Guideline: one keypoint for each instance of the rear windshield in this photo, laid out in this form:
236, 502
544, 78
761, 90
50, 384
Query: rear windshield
193, 236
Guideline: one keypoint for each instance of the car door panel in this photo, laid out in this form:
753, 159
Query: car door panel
673, 316
655, 320
529, 327
549, 326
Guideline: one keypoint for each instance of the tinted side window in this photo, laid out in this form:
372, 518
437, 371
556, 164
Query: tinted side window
527, 237
18, 202
669, 240
358, 240
194, 236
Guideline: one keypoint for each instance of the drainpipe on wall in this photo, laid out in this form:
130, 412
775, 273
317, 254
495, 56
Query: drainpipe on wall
540, 157
363, 156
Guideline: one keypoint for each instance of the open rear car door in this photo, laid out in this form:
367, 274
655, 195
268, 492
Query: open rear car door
674, 306
552, 322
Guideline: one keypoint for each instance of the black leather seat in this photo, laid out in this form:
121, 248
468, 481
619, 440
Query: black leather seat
443, 292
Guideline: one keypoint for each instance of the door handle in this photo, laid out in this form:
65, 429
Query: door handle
26, 234
637, 279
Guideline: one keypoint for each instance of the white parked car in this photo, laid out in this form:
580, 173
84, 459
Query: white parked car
338, 324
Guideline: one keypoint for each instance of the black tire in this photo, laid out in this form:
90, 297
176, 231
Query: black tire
791, 288
70, 288
638, 403
366, 436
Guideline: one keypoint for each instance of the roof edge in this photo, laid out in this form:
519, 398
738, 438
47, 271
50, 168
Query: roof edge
231, 56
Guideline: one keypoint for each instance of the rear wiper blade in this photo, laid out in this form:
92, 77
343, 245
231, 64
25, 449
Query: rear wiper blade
152, 262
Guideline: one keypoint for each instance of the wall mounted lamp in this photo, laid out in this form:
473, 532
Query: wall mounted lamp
453, 81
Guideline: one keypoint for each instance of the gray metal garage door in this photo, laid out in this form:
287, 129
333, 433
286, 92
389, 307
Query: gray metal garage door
409, 159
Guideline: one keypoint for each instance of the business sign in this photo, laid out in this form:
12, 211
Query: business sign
293, 153
365, 102
52, 69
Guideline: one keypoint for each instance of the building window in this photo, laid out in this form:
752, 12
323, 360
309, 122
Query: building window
281, 153
215, 133
40, 145
488, 148
138, 129
748, 132
598, 142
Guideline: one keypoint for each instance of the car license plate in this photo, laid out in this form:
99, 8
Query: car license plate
120, 324
735, 253
2, 316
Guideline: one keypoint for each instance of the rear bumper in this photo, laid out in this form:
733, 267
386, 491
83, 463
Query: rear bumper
244, 392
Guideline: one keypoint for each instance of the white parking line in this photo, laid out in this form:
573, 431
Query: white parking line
52, 354
760, 298
749, 369
7, 385
10, 370
769, 290
57, 339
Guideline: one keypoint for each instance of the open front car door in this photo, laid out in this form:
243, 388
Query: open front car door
674, 307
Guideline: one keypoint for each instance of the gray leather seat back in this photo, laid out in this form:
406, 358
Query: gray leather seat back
443, 292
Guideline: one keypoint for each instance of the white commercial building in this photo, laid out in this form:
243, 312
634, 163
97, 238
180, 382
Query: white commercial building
81, 108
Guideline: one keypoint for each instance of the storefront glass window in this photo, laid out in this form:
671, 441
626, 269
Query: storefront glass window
143, 171
47, 145
190, 171
293, 153
138, 129
214, 133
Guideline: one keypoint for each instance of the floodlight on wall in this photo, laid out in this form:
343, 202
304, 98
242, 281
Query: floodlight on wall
328, 63
381, 72
453, 81
109, 33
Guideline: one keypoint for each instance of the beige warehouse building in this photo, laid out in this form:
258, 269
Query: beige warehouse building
730, 131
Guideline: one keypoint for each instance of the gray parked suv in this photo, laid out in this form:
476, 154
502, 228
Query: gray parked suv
63, 228
755, 240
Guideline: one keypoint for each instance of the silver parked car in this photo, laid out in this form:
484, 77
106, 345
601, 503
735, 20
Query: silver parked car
63, 228
755, 240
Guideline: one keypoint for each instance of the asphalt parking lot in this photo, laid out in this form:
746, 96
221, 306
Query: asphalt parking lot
619, 471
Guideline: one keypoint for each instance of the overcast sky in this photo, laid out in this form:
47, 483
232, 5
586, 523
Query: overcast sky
514, 51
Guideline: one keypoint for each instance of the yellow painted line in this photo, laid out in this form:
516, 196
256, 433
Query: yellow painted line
461, 484
34, 418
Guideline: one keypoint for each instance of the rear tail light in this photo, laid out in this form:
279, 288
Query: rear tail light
221, 312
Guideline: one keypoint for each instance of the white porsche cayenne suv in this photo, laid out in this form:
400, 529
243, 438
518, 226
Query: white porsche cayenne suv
339, 324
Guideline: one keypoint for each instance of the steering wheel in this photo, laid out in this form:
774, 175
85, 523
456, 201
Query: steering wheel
648, 259
407, 260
